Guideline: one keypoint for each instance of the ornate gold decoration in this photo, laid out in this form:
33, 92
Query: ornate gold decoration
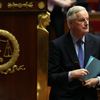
20, 5
8, 50
10, 67
13, 69
43, 21
41, 5
42, 42
1, 59
0, 5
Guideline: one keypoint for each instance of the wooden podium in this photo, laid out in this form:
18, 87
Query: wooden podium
19, 17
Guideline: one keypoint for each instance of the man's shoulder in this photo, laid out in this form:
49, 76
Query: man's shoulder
93, 36
60, 39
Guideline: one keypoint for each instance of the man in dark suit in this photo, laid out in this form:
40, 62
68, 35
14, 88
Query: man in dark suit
65, 70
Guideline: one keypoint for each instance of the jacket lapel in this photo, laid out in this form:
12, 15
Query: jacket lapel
71, 50
69, 46
88, 49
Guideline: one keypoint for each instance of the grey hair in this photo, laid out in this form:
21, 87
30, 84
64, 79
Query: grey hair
71, 12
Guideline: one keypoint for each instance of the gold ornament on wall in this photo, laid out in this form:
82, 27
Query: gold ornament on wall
43, 21
9, 66
20, 5
0, 5
41, 5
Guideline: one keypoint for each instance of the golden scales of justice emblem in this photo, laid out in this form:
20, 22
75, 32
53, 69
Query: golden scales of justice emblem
7, 51
10, 53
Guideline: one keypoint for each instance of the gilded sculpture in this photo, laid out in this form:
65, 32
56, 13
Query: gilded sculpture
42, 55
43, 21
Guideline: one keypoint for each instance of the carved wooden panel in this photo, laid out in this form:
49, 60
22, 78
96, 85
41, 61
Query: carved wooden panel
20, 19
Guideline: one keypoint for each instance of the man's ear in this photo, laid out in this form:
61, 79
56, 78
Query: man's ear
69, 23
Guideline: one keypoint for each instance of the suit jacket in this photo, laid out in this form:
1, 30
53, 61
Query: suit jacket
62, 59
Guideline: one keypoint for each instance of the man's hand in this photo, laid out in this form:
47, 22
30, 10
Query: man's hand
78, 73
91, 82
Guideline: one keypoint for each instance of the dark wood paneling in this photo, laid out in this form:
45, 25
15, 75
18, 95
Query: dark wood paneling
22, 23
21, 85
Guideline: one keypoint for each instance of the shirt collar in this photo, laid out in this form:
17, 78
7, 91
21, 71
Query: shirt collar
75, 39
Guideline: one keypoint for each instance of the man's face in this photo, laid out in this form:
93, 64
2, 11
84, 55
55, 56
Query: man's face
80, 24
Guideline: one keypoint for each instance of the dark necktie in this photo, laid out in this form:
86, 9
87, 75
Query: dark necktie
80, 53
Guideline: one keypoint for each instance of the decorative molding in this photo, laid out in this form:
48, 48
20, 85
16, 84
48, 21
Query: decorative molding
13, 69
20, 5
